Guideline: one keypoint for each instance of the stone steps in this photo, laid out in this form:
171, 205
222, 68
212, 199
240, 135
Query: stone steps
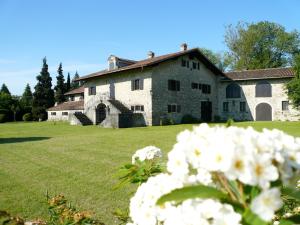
84, 120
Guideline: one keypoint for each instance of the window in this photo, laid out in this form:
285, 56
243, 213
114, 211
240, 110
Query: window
225, 107
242, 106
137, 84
198, 66
206, 89
72, 98
233, 90
53, 113
183, 63
137, 108
174, 108
188, 64
285, 105
195, 85
263, 89
194, 65
92, 90
173, 85
65, 113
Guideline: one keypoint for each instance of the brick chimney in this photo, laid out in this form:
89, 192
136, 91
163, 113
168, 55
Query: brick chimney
183, 47
150, 55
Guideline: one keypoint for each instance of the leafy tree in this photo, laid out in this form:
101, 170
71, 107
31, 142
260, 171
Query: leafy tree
27, 97
261, 45
5, 101
293, 86
68, 84
220, 60
4, 89
75, 84
43, 97
60, 86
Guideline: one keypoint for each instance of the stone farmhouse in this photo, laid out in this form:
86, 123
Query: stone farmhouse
164, 89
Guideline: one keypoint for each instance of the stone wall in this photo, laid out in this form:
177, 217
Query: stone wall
248, 96
189, 99
118, 86
59, 116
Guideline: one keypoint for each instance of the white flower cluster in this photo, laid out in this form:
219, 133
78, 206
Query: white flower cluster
251, 157
147, 153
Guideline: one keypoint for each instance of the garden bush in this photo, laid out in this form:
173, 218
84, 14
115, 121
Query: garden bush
3, 118
189, 119
27, 117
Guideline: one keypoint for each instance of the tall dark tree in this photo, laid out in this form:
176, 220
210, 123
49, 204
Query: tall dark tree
261, 45
43, 96
68, 84
60, 86
27, 97
75, 84
4, 89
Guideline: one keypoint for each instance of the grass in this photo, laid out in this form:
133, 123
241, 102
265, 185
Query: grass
79, 162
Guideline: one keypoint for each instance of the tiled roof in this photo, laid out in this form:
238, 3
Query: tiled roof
76, 91
269, 73
72, 105
155, 60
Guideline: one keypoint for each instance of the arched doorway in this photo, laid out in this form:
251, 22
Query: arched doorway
100, 113
263, 112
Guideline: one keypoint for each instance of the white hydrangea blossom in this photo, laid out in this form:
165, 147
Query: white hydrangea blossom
243, 154
147, 153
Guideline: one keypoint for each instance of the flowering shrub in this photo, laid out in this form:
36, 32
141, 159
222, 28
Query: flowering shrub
218, 175
147, 153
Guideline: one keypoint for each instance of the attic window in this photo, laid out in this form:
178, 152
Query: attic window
173, 85
183, 63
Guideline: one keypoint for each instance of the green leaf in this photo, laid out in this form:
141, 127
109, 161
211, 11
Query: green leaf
252, 219
286, 222
291, 192
198, 191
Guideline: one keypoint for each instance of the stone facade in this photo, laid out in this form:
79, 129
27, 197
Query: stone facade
248, 95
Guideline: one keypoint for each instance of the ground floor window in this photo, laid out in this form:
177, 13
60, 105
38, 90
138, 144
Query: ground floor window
285, 105
174, 108
53, 113
137, 108
225, 106
65, 113
243, 106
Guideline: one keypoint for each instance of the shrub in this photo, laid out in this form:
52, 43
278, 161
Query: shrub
3, 118
189, 119
27, 117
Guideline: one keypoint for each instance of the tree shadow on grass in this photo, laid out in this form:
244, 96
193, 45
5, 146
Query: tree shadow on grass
21, 139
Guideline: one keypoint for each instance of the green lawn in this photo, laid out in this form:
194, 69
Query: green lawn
78, 162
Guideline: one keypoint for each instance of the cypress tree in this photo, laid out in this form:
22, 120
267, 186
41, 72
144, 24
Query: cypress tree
68, 84
27, 97
60, 86
4, 89
75, 84
43, 97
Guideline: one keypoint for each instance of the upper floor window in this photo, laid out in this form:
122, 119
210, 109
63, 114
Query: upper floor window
174, 108
233, 90
137, 108
195, 85
137, 84
206, 88
174, 85
65, 113
285, 105
92, 90
263, 89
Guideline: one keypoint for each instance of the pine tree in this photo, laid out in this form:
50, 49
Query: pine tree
75, 84
27, 97
43, 96
60, 86
4, 89
68, 84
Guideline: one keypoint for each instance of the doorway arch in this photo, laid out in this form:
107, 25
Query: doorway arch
263, 112
100, 113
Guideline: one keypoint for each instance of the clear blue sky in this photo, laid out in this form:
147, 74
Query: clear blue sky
83, 33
